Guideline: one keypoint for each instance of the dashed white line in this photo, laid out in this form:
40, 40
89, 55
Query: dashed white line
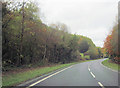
101, 85
47, 77
92, 74
94, 77
88, 68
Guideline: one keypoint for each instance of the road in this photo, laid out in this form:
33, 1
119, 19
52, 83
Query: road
90, 73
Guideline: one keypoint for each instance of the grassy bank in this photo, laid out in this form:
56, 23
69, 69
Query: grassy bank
14, 79
17, 78
110, 64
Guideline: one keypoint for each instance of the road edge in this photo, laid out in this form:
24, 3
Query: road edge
108, 67
41, 77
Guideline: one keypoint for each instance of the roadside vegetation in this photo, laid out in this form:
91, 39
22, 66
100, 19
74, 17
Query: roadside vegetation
17, 77
111, 44
28, 42
111, 64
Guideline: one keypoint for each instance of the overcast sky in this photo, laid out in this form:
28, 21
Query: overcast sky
91, 18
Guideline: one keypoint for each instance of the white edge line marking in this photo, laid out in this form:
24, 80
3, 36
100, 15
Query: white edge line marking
92, 74
47, 77
108, 68
101, 85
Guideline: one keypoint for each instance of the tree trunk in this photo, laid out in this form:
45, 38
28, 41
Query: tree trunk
45, 52
21, 46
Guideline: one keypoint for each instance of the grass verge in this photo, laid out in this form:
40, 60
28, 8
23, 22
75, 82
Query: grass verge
111, 65
14, 79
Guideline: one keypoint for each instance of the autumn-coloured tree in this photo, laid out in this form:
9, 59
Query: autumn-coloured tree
108, 45
41, 44
111, 44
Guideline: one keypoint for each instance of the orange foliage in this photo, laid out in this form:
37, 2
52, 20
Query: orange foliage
108, 44
111, 44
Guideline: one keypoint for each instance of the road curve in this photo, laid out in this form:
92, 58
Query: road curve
90, 73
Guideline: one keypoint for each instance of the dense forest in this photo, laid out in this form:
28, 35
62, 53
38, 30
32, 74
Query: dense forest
26, 40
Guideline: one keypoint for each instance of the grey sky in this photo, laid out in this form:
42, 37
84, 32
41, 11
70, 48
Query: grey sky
91, 18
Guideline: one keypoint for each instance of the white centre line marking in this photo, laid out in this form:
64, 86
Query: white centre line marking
101, 85
88, 68
47, 77
92, 74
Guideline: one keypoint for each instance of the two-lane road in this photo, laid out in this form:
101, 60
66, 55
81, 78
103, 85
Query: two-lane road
83, 74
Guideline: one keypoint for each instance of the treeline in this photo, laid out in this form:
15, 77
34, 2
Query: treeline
26, 40
111, 44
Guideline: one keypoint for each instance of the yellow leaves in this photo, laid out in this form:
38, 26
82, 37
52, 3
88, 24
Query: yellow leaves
32, 33
80, 40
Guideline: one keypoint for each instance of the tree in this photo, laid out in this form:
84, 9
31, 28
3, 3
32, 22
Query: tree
100, 54
111, 44
26, 40
83, 46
